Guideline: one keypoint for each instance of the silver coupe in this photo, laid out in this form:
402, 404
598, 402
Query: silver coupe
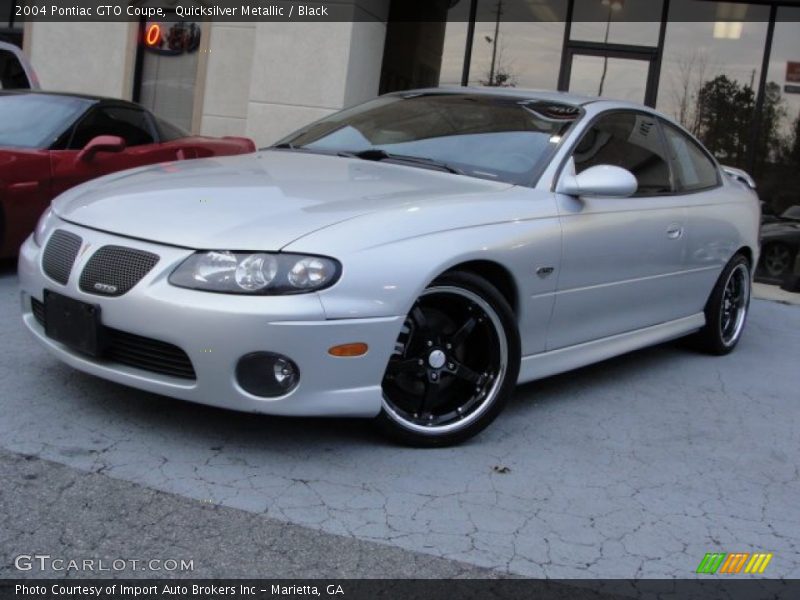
409, 260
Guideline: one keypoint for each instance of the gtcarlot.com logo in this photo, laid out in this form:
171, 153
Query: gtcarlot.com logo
46, 562
733, 563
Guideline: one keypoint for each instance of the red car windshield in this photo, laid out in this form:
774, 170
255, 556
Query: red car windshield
30, 120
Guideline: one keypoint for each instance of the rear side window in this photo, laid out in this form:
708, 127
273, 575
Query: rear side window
131, 124
12, 74
696, 171
631, 141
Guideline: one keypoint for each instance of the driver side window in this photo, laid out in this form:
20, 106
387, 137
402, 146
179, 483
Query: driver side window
632, 141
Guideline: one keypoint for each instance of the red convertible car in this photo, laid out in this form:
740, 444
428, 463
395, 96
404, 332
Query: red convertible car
50, 142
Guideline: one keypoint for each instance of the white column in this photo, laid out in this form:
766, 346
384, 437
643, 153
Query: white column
85, 57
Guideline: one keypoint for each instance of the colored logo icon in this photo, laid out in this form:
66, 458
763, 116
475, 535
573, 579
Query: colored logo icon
733, 563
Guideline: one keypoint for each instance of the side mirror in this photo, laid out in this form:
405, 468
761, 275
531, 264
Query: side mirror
101, 143
602, 180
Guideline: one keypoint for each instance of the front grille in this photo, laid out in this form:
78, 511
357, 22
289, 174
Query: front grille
115, 270
59, 255
148, 354
136, 351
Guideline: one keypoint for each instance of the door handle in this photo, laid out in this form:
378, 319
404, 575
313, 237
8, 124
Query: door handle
674, 232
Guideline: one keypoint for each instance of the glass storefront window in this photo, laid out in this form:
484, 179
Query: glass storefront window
631, 22
517, 44
619, 78
455, 42
426, 52
710, 73
526, 55
169, 70
778, 171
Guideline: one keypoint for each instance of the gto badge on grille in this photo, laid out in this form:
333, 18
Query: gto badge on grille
105, 288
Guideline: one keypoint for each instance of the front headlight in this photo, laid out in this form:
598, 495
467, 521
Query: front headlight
43, 226
263, 273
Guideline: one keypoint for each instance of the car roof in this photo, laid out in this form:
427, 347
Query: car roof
522, 93
91, 98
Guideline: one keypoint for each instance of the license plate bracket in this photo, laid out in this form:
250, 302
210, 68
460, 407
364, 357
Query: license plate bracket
73, 323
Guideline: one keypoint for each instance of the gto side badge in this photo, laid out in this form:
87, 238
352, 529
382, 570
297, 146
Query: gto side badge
105, 288
544, 271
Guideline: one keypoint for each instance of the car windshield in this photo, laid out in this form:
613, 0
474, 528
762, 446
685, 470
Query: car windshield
793, 212
36, 120
493, 137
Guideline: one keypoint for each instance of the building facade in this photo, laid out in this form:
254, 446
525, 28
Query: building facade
728, 71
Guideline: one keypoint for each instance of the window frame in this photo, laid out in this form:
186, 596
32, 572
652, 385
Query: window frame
619, 110
697, 144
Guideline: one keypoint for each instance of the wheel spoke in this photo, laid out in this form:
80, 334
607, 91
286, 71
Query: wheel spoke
431, 396
419, 318
409, 365
463, 372
461, 335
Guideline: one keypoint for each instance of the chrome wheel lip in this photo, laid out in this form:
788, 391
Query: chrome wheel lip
743, 274
490, 395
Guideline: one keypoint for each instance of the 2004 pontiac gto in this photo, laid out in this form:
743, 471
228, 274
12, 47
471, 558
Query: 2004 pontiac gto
410, 259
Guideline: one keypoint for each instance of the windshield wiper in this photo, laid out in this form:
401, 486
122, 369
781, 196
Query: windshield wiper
378, 154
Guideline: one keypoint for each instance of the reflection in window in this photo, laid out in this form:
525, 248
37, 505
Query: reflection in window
426, 52
512, 54
694, 169
778, 150
498, 138
619, 78
631, 141
634, 22
710, 73
517, 44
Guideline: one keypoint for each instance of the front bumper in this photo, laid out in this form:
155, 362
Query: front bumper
215, 331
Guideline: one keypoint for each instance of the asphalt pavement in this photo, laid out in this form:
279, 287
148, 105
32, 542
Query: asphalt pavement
635, 467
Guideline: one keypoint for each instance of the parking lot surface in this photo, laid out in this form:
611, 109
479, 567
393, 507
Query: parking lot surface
635, 467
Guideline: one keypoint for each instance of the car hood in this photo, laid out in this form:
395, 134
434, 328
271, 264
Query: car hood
260, 201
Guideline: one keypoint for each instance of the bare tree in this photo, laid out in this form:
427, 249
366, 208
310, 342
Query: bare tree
686, 85
499, 74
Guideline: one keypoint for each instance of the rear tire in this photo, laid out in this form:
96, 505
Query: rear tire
455, 365
726, 309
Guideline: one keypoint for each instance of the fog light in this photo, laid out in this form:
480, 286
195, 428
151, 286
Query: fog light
267, 374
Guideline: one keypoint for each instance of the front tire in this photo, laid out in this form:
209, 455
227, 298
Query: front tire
455, 364
726, 309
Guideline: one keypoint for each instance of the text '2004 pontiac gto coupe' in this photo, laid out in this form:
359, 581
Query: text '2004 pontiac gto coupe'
410, 259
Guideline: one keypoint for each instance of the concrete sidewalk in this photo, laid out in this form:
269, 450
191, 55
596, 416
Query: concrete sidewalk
764, 291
